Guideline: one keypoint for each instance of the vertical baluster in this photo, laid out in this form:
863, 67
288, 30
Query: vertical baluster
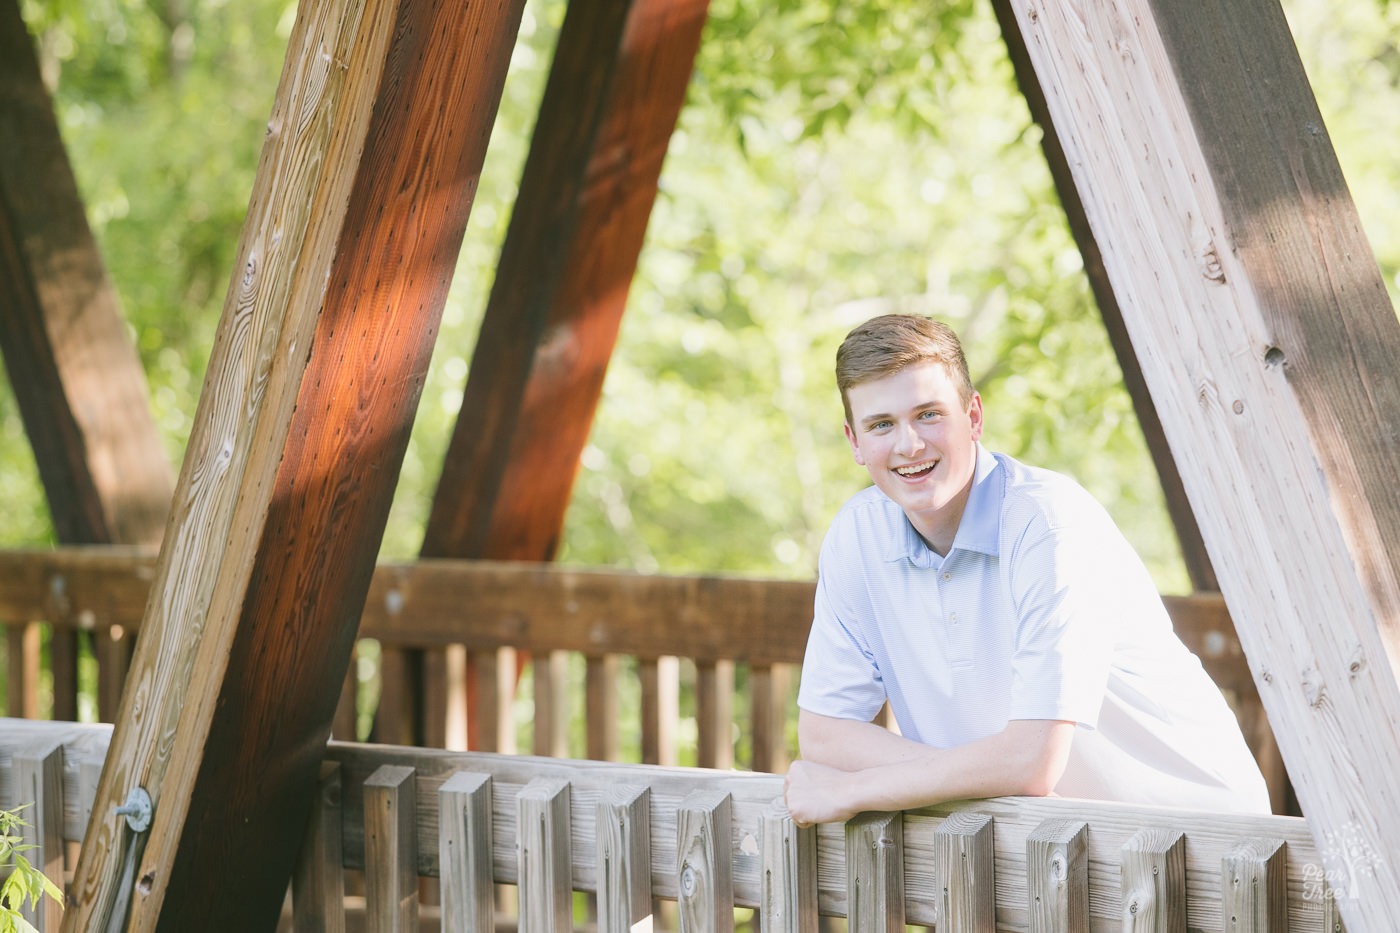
495, 694
111, 647
345, 726
545, 854
714, 713
551, 737
1254, 887
789, 881
661, 708
768, 690
1154, 882
434, 690
318, 886
39, 789
704, 840
875, 872
464, 853
1057, 876
391, 850
963, 859
393, 719
600, 704
624, 859
23, 681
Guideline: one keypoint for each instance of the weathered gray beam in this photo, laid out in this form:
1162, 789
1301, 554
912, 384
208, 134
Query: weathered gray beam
1266, 338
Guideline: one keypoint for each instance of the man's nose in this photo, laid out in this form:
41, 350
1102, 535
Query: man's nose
908, 442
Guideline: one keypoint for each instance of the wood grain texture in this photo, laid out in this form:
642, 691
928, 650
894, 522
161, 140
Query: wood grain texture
616, 87
551, 723
318, 884
1188, 532
754, 796
391, 843
1254, 887
38, 769
875, 872
788, 885
624, 859
1268, 342
301, 428
1057, 876
704, 870
465, 838
544, 854
965, 861
76, 376
1154, 882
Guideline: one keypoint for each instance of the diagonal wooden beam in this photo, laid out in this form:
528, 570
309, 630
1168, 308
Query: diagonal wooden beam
614, 93
1269, 345
79, 384
1188, 532
374, 150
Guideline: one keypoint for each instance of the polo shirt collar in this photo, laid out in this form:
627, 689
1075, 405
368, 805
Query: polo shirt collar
981, 519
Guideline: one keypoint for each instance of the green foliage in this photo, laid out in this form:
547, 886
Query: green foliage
835, 160
25, 884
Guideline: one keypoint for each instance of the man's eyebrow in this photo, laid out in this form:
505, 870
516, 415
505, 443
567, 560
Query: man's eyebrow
922, 406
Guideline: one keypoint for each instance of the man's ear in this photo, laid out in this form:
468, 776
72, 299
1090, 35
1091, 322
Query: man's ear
974, 414
855, 448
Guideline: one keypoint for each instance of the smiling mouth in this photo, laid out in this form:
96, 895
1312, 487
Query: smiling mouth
916, 469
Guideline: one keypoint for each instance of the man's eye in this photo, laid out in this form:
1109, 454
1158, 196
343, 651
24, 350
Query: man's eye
928, 415
879, 426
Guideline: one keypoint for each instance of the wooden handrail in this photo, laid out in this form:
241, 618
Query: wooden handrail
1005, 850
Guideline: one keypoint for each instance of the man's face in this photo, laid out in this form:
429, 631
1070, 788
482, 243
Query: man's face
912, 432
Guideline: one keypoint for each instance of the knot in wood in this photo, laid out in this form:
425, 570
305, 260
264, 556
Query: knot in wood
688, 882
1211, 267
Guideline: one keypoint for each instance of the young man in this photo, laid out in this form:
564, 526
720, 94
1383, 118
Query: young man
1019, 640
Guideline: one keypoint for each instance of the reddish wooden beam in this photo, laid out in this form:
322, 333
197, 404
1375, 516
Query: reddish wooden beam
76, 376
373, 155
1188, 532
614, 94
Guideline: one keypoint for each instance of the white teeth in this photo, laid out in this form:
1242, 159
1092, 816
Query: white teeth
911, 470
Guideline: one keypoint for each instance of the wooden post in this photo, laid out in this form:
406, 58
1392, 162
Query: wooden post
705, 869
768, 695
318, 885
384, 107
661, 708
391, 850
1268, 342
789, 881
551, 737
545, 856
714, 714
39, 788
1057, 876
1254, 887
1154, 882
624, 859
464, 853
22, 670
600, 705
875, 872
964, 864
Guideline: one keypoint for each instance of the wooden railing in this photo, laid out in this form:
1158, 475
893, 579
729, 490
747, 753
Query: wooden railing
633, 835
680, 637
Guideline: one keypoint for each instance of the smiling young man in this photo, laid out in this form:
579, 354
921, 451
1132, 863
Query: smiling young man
1019, 640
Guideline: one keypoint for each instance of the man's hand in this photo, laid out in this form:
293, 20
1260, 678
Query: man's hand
818, 794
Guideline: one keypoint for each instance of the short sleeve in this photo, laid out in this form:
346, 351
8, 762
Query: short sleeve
840, 677
1064, 636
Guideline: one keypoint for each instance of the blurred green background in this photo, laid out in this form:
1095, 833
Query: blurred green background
834, 161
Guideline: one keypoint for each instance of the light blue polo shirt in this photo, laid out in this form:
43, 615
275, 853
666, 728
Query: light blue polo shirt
1041, 610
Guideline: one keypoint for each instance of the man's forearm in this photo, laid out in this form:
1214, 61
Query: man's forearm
856, 770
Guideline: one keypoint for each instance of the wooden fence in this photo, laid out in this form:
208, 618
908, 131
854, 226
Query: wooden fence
632, 835
435, 620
